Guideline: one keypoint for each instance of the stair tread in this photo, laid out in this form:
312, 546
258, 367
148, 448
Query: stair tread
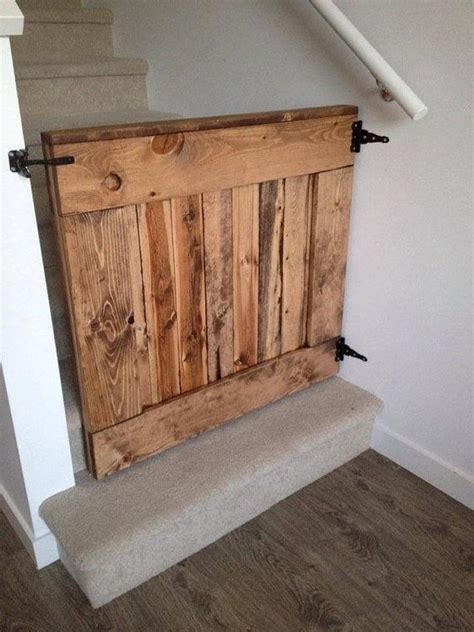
66, 5
79, 16
73, 413
56, 293
33, 126
70, 393
91, 68
97, 520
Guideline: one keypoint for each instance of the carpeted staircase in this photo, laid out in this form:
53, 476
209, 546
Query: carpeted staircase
117, 533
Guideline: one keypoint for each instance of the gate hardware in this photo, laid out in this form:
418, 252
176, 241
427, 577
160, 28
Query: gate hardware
20, 163
344, 350
362, 137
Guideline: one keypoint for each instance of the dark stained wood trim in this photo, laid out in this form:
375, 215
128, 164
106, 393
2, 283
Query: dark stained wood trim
173, 126
188, 415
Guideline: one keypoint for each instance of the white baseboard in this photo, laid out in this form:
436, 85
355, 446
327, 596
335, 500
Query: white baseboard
425, 464
43, 549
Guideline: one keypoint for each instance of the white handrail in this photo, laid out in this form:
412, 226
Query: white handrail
380, 69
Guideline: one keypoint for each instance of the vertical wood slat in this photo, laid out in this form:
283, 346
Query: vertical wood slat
329, 237
156, 241
271, 210
190, 290
217, 213
245, 202
106, 296
295, 261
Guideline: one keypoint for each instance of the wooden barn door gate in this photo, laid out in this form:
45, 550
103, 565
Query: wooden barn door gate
204, 264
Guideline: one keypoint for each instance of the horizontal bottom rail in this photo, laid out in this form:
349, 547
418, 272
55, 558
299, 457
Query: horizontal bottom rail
172, 422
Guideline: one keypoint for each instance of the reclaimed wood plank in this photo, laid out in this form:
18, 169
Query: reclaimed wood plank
190, 290
259, 282
156, 243
271, 211
295, 261
173, 126
108, 314
245, 202
137, 318
188, 415
114, 173
51, 181
328, 256
217, 212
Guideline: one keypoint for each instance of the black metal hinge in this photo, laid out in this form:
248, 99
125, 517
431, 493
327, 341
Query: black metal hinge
362, 137
344, 350
20, 162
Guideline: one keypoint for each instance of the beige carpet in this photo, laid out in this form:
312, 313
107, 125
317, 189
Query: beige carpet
116, 533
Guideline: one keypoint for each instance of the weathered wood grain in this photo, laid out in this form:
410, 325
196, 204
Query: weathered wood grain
115, 173
103, 258
188, 415
295, 261
232, 260
51, 182
190, 290
158, 266
217, 211
245, 203
174, 126
270, 248
329, 237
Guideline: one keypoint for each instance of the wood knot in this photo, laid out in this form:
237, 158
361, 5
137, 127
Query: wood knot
113, 182
193, 336
190, 216
171, 320
94, 324
167, 143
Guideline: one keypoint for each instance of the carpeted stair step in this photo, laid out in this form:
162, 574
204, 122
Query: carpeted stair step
116, 533
62, 5
92, 86
59, 312
58, 36
73, 413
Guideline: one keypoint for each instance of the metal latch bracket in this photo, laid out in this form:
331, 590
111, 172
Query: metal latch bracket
20, 162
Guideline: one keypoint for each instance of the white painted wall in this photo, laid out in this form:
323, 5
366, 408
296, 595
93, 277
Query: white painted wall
409, 291
35, 459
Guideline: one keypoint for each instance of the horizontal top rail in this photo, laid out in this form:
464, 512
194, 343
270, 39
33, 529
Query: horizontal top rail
174, 126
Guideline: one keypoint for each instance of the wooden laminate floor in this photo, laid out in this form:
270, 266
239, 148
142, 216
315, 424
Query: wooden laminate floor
369, 547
